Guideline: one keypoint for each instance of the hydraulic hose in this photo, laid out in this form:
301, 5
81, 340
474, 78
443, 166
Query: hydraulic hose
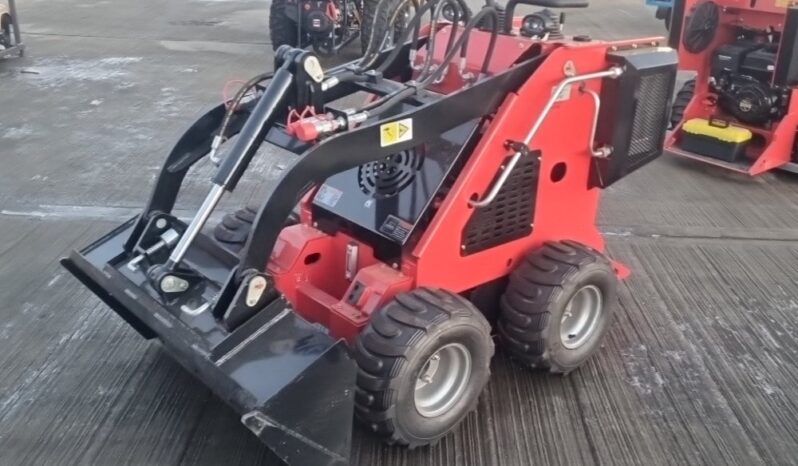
381, 105
462, 40
234, 103
254, 130
370, 48
495, 16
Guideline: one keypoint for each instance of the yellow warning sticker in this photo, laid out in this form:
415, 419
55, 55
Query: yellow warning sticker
783, 3
396, 132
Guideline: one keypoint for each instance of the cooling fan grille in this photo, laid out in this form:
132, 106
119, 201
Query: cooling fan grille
388, 177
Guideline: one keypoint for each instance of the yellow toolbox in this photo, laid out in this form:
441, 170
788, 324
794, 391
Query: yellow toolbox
715, 138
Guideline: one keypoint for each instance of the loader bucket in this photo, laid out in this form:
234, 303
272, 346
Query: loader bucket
292, 384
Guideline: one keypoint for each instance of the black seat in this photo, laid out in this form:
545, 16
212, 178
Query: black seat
558, 3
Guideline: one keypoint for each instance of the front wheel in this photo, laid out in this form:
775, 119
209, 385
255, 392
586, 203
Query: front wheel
423, 361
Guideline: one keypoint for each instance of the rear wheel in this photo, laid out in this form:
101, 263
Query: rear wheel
282, 29
558, 306
683, 98
423, 361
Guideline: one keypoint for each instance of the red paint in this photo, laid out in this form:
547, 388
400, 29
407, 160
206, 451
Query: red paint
565, 209
777, 146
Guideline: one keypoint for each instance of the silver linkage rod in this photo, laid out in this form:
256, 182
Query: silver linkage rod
613, 72
193, 229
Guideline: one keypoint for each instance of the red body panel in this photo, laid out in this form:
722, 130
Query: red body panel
565, 207
775, 146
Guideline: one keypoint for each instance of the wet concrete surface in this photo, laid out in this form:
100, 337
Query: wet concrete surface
699, 367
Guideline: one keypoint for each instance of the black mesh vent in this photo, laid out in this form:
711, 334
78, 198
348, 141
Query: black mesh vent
650, 117
634, 112
386, 178
510, 215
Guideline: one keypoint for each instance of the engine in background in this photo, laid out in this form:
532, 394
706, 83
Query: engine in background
742, 76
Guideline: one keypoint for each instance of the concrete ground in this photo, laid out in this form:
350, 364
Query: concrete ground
699, 368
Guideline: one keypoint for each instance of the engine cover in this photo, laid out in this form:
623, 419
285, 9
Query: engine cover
741, 76
749, 100
385, 201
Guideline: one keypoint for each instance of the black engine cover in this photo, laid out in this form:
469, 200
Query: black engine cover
749, 100
387, 200
760, 64
742, 74
729, 58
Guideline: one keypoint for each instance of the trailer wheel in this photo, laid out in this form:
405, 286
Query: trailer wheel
558, 306
423, 361
282, 29
683, 98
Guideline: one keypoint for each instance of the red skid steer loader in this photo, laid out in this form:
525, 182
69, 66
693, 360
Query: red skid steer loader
473, 171
741, 110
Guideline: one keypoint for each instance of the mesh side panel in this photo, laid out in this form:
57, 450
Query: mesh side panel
510, 215
650, 117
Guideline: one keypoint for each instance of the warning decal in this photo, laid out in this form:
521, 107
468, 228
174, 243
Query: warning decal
783, 3
396, 132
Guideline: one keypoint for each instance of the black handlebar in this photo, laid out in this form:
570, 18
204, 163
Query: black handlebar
508, 15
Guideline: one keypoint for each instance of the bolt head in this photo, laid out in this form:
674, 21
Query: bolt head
173, 284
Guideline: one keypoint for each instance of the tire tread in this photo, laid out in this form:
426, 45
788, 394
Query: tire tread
532, 288
381, 355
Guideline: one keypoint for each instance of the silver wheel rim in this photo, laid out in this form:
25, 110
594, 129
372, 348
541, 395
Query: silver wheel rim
442, 380
581, 317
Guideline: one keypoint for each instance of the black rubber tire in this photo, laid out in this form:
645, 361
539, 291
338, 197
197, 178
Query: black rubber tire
683, 97
376, 19
664, 14
232, 232
6, 38
392, 350
535, 300
282, 29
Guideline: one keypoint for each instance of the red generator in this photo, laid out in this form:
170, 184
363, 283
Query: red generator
458, 202
740, 110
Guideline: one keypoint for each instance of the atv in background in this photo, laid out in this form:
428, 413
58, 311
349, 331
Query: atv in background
330, 25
